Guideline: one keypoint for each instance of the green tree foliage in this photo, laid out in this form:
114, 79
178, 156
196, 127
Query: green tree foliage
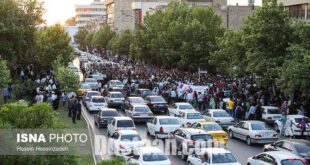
71, 21
80, 38
52, 43
24, 90
68, 79
267, 35
120, 44
180, 36
17, 26
90, 39
230, 58
102, 37
5, 74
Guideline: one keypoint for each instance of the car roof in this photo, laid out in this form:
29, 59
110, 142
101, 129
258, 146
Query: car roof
128, 132
212, 110
207, 122
134, 97
108, 109
194, 131
92, 92
190, 111
139, 105
154, 96
270, 107
182, 103
165, 117
122, 118
148, 149
282, 155
253, 121
214, 150
296, 116
114, 92
97, 97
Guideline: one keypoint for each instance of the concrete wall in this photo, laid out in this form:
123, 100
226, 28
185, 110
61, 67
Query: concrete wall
293, 2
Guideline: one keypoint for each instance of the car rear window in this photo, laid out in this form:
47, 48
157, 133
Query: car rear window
137, 100
142, 109
212, 127
154, 157
223, 158
303, 148
194, 116
98, 100
109, 113
168, 122
292, 162
186, 106
220, 114
158, 99
297, 120
125, 123
117, 95
258, 126
273, 111
92, 94
204, 137
131, 138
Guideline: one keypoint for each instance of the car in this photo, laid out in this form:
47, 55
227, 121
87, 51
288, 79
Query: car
102, 118
162, 126
157, 103
98, 76
176, 108
133, 100
295, 120
92, 83
188, 118
275, 158
120, 123
115, 83
115, 99
220, 116
139, 112
212, 156
253, 131
95, 103
83, 89
298, 147
190, 140
148, 155
87, 95
142, 93
124, 142
270, 114
219, 136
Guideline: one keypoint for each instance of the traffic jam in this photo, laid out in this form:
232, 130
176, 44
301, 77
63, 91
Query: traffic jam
195, 133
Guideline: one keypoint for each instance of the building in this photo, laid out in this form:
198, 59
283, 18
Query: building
299, 9
91, 14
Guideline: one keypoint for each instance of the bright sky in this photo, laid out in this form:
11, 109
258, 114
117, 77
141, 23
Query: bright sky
57, 11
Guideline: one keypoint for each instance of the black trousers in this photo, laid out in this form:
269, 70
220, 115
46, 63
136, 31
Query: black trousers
73, 116
69, 112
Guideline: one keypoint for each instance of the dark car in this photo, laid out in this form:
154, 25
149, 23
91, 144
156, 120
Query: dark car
133, 100
157, 103
300, 148
142, 93
102, 118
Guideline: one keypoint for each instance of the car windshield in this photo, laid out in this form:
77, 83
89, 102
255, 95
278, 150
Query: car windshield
223, 158
146, 92
158, 99
303, 148
292, 162
85, 86
125, 123
136, 100
212, 127
98, 100
297, 120
117, 95
194, 116
109, 113
130, 138
92, 94
185, 106
204, 137
258, 126
142, 109
154, 157
168, 122
220, 114
90, 81
273, 111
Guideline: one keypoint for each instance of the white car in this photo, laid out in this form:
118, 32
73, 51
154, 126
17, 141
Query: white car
270, 114
139, 112
175, 109
125, 141
115, 99
92, 83
188, 118
95, 103
148, 156
87, 96
120, 123
220, 116
115, 83
253, 132
212, 156
275, 158
295, 120
162, 126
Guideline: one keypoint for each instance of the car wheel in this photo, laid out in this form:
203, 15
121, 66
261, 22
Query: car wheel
249, 141
231, 134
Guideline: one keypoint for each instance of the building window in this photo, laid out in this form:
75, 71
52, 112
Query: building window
299, 11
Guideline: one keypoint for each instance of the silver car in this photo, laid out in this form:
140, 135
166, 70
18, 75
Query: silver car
253, 132
139, 112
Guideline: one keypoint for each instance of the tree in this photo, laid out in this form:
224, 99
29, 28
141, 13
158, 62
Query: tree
230, 58
90, 40
69, 80
102, 37
80, 38
5, 74
17, 26
120, 44
267, 35
52, 43
71, 21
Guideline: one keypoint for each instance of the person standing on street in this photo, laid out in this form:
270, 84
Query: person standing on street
252, 112
79, 110
6, 94
303, 125
74, 109
230, 107
283, 121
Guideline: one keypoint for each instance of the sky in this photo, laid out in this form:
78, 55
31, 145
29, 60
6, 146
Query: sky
57, 11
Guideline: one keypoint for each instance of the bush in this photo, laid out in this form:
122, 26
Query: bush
24, 90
